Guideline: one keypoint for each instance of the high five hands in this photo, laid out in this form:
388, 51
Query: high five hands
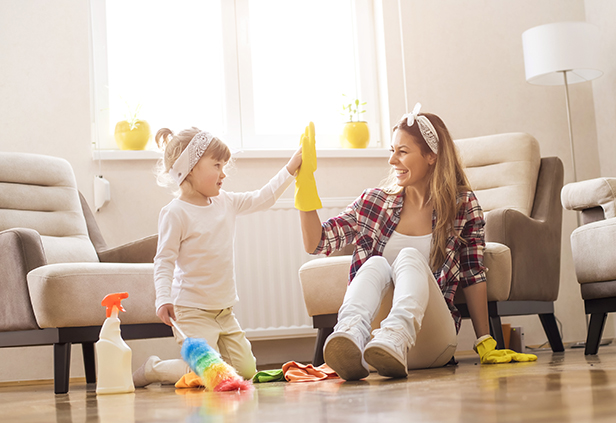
486, 348
306, 195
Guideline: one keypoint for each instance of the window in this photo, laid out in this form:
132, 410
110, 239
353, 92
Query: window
254, 72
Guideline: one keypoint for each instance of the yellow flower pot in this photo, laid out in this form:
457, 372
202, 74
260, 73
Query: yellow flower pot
132, 139
355, 135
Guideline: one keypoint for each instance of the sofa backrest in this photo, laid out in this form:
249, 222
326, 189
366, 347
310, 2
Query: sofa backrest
39, 192
502, 170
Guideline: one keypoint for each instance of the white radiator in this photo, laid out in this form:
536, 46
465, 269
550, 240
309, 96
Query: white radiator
268, 253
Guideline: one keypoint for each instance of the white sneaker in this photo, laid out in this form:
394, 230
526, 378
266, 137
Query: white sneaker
343, 351
387, 352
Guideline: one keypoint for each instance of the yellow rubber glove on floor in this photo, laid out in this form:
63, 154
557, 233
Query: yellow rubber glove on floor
306, 195
486, 348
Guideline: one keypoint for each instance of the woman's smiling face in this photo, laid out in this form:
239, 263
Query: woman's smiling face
411, 166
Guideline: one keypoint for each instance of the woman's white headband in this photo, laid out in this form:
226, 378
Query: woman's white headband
425, 127
190, 156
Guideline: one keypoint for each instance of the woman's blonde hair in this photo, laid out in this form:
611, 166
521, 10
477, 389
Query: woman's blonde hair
447, 180
174, 144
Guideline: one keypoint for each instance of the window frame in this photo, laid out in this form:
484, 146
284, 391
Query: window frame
239, 114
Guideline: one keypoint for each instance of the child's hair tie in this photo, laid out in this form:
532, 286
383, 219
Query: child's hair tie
190, 156
425, 127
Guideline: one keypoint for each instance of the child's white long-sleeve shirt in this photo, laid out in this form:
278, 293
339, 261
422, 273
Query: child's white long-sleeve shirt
194, 263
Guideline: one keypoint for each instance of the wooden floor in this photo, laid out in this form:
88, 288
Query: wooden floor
562, 387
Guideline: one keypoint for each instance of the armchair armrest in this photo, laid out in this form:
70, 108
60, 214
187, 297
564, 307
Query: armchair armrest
535, 253
22, 251
534, 241
140, 251
598, 192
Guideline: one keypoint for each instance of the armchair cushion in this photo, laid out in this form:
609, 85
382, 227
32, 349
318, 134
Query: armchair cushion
70, 294
497, 260
593, 251
324, 282
502, 170
39, 192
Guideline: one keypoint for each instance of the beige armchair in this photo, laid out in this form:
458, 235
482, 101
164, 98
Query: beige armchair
55, 267
519, 193
594, 250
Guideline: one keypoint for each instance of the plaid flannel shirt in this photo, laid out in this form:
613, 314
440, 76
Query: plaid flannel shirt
369, 222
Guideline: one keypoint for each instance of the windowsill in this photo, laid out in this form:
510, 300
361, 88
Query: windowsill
325, 153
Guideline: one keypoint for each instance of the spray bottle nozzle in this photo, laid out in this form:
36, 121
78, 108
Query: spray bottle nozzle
114, 300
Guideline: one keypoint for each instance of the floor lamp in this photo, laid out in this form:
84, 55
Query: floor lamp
562, 53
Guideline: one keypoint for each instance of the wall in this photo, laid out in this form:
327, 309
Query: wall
601, 13
464, 62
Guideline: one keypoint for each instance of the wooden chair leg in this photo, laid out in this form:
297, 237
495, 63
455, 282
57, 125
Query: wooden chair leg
551, 330
61, 367
89, 362
595, 330
322, 335
496, 330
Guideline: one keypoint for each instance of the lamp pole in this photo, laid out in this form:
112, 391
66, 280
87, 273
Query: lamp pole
577, 214
570, 125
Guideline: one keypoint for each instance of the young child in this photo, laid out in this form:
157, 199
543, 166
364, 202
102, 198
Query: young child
194, 263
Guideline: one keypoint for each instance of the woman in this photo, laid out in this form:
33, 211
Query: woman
423, 234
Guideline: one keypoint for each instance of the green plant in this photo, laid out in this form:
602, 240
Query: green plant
353, 109
132, 115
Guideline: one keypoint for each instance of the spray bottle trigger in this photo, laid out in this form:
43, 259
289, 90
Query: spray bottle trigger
112, 300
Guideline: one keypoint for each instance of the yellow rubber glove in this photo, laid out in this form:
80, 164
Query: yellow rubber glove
486, 348
306, 195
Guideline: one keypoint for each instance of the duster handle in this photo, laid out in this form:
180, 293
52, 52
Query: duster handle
175, 325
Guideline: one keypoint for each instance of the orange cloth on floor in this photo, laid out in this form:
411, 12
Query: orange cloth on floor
298, 372
189, 380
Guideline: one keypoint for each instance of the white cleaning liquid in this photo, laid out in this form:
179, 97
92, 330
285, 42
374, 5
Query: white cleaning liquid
113, 357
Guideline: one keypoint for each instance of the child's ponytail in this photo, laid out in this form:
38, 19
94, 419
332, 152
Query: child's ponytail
172, 146
162, 137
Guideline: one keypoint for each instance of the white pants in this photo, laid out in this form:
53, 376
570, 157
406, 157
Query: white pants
222, 332
418, 308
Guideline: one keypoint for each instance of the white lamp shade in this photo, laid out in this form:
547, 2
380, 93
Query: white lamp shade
566, 46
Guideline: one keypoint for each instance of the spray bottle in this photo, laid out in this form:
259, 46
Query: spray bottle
113, 356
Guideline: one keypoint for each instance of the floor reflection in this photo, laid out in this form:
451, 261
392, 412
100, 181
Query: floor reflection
207, 406
602, 392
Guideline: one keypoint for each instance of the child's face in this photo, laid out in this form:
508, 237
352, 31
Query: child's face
207, 175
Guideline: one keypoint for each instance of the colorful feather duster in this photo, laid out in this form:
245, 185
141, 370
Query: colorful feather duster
209, 366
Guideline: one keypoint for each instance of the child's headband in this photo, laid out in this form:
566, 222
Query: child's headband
425, 127
190, 156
